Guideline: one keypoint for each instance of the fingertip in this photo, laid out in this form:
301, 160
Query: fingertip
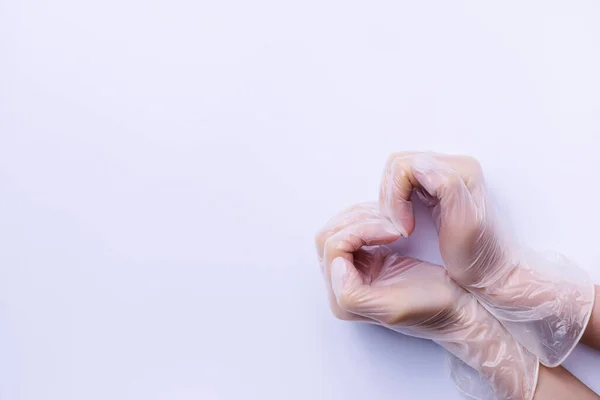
400, 213
435, 176
339, 275
423, 166
395, 196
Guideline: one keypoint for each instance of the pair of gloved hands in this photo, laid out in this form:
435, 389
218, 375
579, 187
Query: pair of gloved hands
495, 307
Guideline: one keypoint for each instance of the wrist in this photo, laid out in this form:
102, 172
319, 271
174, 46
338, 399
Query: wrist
483, 344
544, 307
512, 368
558, 384
591, 335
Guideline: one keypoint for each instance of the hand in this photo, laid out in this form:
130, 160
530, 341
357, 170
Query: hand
417, 298
544, 302
339, 246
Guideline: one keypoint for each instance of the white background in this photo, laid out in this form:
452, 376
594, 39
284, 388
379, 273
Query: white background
164, 166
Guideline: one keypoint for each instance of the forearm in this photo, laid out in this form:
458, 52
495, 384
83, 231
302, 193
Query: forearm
544, 301
591, 336
558, 384
482, 343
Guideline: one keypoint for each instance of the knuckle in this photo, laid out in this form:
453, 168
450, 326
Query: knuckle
330, 246
339, 313
473, 167
320, 238
398, 163
346, 300
470, 160
452, 183
391, 158
453, 180
392, 319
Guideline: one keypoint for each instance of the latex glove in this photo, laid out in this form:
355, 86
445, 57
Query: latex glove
543, 300
416, 298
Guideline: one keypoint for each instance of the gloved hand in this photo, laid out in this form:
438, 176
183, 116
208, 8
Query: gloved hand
543, 300
416, 298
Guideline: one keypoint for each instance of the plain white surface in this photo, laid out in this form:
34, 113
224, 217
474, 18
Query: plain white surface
165, 164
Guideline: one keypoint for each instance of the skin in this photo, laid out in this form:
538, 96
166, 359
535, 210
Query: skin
416, 298
591, 336
559, 384
553, 383
517, 285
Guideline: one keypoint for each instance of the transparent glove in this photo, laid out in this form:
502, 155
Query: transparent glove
369, 282
542, 299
